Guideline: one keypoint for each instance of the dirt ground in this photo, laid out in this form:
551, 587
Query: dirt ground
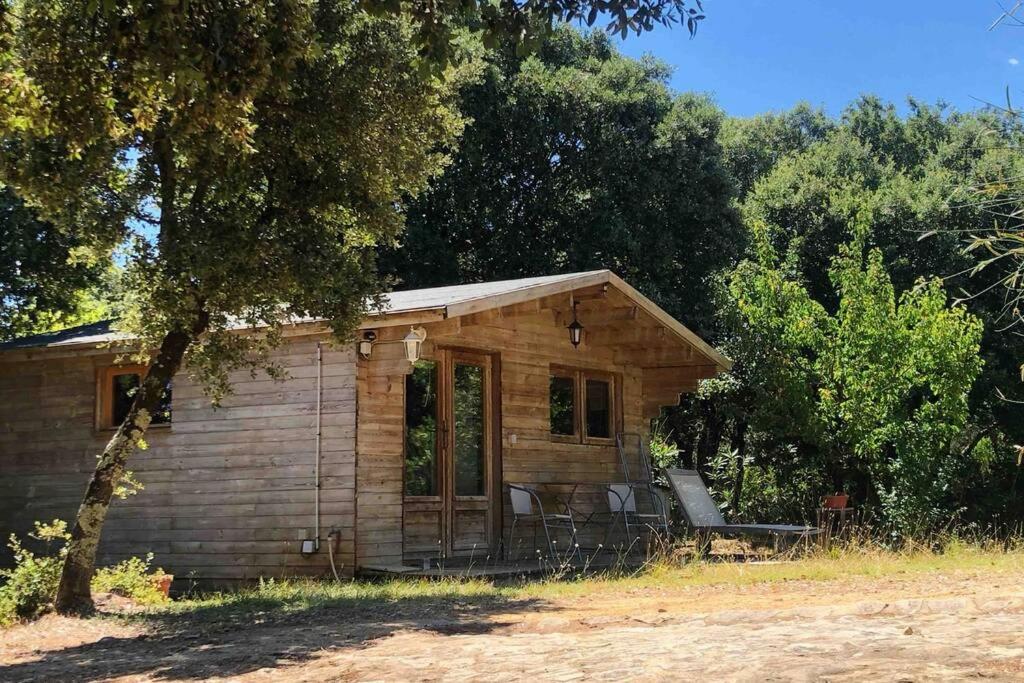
912, 628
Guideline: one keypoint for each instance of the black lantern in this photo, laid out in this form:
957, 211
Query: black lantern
575, 329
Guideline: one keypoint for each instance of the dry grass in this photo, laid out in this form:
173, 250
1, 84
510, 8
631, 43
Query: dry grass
854, 560
668, 571
859, 613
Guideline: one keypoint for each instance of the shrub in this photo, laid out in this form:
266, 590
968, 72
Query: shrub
29, 587
27, 590
664, 453
131, 578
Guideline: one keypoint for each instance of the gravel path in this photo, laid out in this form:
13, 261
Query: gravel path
910, 628
914, 640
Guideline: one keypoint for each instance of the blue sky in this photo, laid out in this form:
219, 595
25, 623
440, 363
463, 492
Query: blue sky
755, 55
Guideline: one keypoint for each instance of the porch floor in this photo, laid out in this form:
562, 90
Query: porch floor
500, 568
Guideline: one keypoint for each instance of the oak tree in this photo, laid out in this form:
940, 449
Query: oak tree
249, 156
579, 158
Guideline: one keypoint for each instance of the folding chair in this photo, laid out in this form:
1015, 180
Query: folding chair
643, 471
640, 477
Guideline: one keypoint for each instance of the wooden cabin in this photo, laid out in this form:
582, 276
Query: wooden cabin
386, 460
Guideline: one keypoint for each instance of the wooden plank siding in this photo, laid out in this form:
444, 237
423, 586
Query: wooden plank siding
530, 344
531, 338
228, 492
380, 442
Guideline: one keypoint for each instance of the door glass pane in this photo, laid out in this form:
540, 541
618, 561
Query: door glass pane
468, 409
563, 390
599, 412
421, 430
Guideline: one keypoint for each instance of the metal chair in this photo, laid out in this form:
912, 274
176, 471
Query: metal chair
527, 508
643, 471
622, 503
639, 477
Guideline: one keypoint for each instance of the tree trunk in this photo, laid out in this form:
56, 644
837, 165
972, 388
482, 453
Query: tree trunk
863, 484
739, 449
710, 437
687, 445
74, 594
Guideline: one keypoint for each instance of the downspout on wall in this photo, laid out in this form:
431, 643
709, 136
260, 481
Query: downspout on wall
316, 454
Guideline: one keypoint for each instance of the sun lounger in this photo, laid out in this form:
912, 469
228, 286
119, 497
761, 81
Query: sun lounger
703, 515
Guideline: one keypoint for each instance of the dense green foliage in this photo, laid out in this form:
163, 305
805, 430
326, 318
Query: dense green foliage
134, 578
859, 373
893, 181
28, 588
874, 392
46, 281
579, 158
439, 23
267, 167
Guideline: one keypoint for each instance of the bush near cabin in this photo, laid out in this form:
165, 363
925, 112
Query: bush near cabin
27, 591
877, 390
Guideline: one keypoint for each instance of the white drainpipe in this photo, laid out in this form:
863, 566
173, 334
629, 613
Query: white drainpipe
316, 455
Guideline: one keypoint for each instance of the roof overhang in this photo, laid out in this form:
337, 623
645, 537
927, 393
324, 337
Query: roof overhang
463, 302
484, 302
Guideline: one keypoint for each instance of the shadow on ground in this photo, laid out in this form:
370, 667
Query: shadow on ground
255, 634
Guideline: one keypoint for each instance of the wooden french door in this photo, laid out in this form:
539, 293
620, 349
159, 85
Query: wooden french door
450, 428
467, 451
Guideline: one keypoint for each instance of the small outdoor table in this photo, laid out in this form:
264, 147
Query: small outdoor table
565, 493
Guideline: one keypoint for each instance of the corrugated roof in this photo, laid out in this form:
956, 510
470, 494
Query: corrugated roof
452, 301
396, 302
93, 333
441, 297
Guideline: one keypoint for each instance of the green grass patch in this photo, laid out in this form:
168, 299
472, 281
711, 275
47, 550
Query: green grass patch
303, 594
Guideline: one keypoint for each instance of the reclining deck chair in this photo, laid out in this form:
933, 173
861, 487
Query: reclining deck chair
704, 517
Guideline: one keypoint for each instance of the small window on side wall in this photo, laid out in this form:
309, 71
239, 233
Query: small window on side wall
582, 405
117, 388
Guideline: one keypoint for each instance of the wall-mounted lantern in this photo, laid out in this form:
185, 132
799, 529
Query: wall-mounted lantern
413, 342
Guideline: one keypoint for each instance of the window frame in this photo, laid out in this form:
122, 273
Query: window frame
105, 395
579, 377
566, 373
